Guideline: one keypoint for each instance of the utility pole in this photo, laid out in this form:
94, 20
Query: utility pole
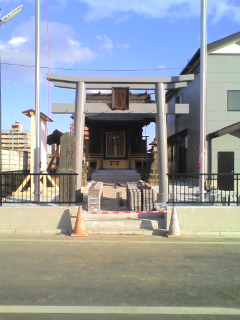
203, 86
37, 156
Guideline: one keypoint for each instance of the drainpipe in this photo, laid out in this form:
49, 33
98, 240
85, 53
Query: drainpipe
209, 138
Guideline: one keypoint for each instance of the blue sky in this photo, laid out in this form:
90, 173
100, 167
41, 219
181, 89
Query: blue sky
100, 38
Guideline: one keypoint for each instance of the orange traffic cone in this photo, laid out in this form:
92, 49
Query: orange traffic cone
79, 230
174, 229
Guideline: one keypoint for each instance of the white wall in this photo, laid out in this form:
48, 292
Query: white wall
14, 160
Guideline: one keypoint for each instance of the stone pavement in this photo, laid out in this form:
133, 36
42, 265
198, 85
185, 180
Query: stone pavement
114, 197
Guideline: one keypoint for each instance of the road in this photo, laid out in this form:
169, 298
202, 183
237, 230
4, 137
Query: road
118, 277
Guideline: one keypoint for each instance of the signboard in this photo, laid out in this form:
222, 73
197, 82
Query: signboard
120, 98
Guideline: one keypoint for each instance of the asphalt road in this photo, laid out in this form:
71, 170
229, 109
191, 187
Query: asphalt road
118, 277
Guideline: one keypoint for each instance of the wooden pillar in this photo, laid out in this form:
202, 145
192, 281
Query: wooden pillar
79, 121
161, 127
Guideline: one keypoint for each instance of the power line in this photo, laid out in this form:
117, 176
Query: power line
79, 69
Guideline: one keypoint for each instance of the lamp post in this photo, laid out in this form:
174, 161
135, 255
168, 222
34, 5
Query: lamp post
5, 19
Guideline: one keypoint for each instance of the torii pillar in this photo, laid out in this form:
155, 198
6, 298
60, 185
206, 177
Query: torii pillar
79, 120
161, 130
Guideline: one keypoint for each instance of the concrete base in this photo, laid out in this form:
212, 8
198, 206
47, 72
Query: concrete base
37, 219
207, 221
193, 221
62, 220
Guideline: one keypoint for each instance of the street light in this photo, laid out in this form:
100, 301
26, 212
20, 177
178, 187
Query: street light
11, 14
5, 19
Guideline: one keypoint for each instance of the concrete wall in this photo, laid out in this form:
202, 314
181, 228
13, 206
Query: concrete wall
14, 160
207, 221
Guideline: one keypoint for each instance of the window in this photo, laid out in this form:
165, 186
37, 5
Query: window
233, 100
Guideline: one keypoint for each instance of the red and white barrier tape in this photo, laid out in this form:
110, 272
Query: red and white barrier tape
122, 212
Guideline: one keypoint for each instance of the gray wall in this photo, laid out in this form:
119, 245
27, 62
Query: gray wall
190, 122
223, 75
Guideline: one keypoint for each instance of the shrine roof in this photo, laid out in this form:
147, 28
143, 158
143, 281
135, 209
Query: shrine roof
120, 117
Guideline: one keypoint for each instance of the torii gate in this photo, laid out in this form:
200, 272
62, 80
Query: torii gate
160, 109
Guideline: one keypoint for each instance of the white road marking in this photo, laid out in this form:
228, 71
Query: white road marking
119, 310
122, 241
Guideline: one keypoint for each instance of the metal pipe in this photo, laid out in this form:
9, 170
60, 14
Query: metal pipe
209, 154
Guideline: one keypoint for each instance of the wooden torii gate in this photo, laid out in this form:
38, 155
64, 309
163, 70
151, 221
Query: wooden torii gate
160, 109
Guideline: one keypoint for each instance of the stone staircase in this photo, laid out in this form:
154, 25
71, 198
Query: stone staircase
115, 175
115, 218
126, 223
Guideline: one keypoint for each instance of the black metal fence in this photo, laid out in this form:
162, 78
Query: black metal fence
219, 189
20, 186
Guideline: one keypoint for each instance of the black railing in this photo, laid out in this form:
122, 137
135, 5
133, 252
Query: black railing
20, 186
219, 188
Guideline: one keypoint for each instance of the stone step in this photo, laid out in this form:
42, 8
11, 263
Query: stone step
127, 177
134, 232
116, 178
118, 175
113, 175
126, 223
124, 216
123, 224
116, 171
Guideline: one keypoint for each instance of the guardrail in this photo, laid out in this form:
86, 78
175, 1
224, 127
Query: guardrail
18, 187
219, 189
